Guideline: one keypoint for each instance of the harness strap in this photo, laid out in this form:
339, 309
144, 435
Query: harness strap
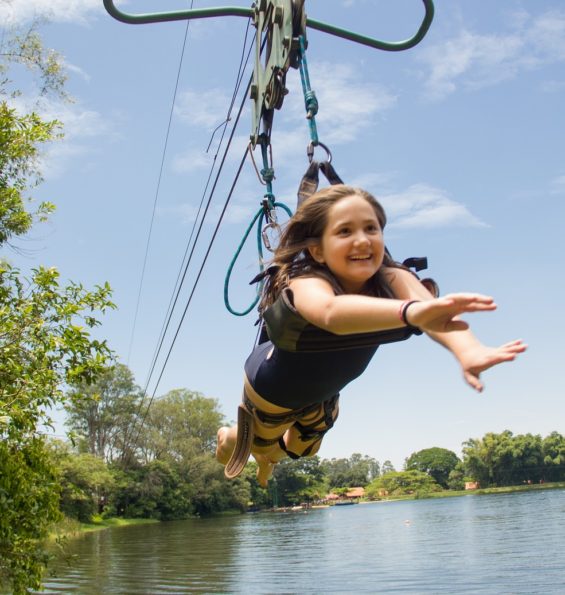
278, 418
311, 179
309, 432
309, 183
329, 171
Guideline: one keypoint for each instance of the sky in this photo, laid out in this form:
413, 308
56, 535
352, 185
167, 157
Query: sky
460, 137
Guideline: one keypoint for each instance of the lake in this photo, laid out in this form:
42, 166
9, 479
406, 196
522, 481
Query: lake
499, 544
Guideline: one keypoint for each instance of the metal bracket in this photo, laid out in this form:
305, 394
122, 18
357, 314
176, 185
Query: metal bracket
274, 19
201, 13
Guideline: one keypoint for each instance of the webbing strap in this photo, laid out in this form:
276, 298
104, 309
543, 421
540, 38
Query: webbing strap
308, 432
311, 179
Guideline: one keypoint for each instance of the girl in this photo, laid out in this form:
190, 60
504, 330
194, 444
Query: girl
333, 296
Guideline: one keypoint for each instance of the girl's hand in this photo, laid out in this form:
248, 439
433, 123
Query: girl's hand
440, 315
479, 358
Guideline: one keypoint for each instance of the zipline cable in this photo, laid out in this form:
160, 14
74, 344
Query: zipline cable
184, 263
157, 189
133, 442
194, 286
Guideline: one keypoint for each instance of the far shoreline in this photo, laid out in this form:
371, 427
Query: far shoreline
71, 529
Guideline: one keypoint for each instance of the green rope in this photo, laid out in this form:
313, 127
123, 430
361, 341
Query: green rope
259, 217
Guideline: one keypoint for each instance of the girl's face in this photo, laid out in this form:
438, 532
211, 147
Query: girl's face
352, 245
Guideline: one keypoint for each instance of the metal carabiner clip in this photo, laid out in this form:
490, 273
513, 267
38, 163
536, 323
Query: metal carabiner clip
266, 241
310, 151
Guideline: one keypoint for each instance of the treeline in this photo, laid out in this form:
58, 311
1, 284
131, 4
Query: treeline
156, 460
134, 458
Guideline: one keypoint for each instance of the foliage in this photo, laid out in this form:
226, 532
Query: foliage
401, 483
103, 412
387, 467
155, 490
358, 470
553, 451
436, 462
456, 479
45, 330
20, 137
42, 346
23, 47
298, 481
86, 483
29, 503
180, 421
504, 459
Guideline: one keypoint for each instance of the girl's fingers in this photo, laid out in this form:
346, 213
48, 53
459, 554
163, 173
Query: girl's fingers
518, 346
473, 381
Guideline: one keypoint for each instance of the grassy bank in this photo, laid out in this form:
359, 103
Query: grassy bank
72, 528
481, 491
504, 490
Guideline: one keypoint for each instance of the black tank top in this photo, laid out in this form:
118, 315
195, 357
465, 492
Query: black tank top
302, 364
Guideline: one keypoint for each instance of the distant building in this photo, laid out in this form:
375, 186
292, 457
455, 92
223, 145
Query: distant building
472, 485
355, 493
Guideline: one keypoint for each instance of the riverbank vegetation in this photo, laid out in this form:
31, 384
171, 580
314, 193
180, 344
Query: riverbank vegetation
133, 460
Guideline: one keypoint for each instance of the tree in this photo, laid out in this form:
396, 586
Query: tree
400, 483
387, 467
553, 451
29, 502
86, 483
301, 480
103, 413
436, 462
504, 459
22, 135
180, 423
358, 470
180, 430
456, 479
45, 339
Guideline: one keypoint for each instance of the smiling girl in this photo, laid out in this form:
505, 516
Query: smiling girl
333, 296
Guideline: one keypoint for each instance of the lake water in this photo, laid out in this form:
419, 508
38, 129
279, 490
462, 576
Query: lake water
499, 544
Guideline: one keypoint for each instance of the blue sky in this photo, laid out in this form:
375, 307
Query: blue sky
460, 137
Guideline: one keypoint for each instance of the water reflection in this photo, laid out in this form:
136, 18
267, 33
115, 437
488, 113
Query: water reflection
489, 544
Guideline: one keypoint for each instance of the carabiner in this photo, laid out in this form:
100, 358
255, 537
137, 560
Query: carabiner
310, 152
266, 240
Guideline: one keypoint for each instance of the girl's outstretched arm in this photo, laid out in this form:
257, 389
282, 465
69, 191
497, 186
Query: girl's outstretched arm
345, 314
472, 355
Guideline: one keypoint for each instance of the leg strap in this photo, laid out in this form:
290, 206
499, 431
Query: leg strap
309, 432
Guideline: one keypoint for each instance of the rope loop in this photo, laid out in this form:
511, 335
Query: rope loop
266, 214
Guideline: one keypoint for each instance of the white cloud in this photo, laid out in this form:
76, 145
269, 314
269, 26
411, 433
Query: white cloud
191, 160
15, 12
347, 103
206, 109
472, 60
424, 206
80, 126
557, 185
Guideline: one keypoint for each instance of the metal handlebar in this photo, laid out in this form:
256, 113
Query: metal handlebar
202, 13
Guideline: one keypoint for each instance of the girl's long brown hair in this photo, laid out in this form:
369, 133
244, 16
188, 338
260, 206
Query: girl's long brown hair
305, 228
